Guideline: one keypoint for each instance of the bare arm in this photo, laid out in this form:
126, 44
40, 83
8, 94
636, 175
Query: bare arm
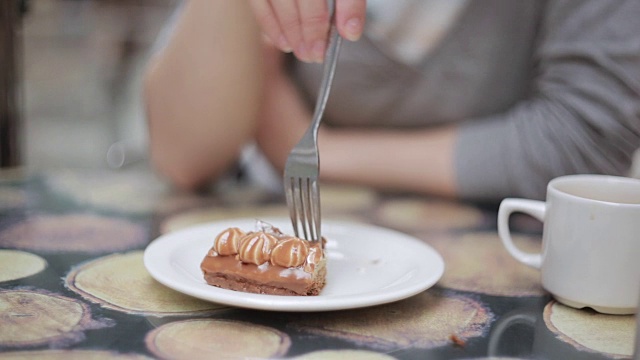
420, 161
203, 91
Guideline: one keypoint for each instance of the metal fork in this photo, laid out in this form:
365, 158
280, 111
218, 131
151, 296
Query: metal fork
303, 164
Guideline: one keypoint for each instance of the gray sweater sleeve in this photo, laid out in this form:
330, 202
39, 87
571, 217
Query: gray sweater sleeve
583, 114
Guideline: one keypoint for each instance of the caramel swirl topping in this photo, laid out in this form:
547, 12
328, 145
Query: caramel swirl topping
290, 252
226, 243
256, 247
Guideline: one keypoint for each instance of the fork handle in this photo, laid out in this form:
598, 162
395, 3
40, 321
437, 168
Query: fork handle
330, 60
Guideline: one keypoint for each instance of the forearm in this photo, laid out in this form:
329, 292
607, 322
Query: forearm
413, 160
417, 160
203, 91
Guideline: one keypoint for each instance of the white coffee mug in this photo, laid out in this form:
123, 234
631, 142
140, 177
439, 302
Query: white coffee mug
590, 241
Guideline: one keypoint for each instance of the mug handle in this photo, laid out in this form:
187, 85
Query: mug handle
508, 206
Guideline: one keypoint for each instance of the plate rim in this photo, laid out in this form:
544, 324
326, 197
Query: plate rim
165, 245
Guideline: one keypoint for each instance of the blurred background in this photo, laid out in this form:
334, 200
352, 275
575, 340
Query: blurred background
79, 65
75, 69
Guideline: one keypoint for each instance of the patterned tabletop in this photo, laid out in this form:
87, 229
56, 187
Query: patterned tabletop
73, 283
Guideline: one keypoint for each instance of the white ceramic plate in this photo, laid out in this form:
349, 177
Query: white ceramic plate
366, 265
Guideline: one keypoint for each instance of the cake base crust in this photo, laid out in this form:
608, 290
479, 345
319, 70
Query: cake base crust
236, 283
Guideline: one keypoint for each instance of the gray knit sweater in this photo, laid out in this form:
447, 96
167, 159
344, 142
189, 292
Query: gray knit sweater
540, 89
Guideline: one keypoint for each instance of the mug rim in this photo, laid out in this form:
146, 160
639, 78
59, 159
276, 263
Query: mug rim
552, 187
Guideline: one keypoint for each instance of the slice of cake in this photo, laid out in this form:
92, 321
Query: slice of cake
265, 262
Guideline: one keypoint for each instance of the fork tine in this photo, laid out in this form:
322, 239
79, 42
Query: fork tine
290, 196
314, 209
309, 202
304, 209
298, 208
303, 198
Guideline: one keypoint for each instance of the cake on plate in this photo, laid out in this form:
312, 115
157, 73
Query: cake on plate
265, 261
